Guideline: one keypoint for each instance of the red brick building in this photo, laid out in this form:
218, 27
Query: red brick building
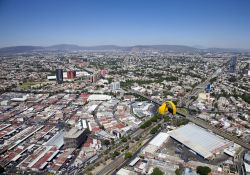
71, 74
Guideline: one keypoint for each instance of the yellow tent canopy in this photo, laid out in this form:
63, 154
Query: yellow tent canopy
163, 109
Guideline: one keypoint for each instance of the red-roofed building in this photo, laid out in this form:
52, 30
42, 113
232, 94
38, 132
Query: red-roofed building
95, 130
85, 97
120, 125
62, 159
40, 158
86, 144
71, 74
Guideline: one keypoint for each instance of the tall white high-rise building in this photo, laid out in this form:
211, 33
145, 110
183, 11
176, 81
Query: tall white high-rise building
115, 86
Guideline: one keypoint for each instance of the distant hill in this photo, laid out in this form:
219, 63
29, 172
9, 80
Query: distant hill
64, 47
20, 49
103, 47
72, 47
173, 48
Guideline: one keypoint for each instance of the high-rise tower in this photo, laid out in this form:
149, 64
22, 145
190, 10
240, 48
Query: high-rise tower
233, 63
59, 76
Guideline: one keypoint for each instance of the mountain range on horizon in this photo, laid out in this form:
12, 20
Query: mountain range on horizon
73, 47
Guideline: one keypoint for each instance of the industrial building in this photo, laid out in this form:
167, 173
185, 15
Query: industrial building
99, 97
156, 143
75, 137
40, 158
201, 141
51, 78
124, 171
56, 140
143, 109
247, 168
20, 99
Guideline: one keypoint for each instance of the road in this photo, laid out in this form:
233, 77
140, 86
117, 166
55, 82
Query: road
125, 162
136, 133
206, 125
112, 166
186, 100
218, 131
120, 160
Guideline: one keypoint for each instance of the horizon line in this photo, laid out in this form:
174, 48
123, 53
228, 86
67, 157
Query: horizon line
194, 46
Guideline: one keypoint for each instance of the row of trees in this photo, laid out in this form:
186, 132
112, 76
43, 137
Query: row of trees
150, 121
155, 129
115, 154
246, 98
129, 83
180, 121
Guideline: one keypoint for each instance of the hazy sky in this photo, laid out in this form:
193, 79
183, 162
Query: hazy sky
211, 23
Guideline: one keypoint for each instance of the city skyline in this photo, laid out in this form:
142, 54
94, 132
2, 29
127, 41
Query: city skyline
221, 24
125, 87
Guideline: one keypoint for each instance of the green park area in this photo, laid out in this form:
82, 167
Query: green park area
28, 84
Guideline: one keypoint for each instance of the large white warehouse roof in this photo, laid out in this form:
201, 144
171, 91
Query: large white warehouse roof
159, 139
99, 97
199, 140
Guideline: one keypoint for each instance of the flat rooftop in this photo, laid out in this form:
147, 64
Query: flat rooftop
198, 139
73, 133
56, 140
159, 139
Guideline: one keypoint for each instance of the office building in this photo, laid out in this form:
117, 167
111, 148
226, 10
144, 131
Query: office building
59, 76
115, 86
156, 143
233, 64
94, 77
75, 137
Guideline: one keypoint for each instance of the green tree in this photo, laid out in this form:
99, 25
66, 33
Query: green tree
142, 156
146, 124
106, 142
116, 153
154, 119
157, 171
180, 121
246, 98
124, 139
154, 130
128, 155
178, 171
112, 141
166, 118
203, 170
